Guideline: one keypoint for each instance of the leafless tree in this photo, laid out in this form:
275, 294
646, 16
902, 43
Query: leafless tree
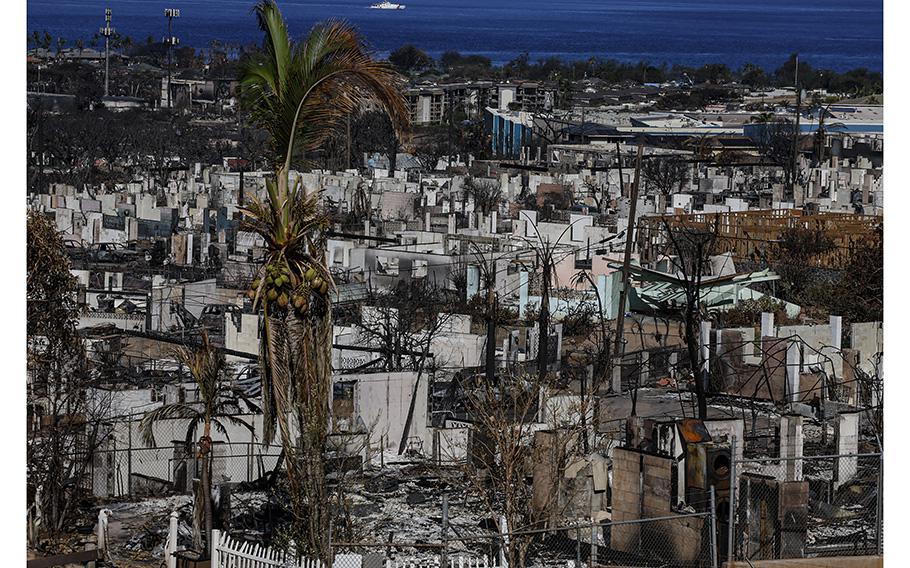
486, 193
603, 337
689, 249
504, 414
663, 176
775, 144
404, 323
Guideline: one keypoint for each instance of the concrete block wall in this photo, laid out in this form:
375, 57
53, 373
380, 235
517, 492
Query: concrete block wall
847, 433
642, 489
626, 499
866, 339
791, 446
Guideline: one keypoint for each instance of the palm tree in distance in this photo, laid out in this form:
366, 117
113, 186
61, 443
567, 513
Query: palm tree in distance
821, 133
219, 403
299, 93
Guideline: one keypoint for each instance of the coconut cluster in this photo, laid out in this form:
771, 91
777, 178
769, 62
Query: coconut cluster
279, 287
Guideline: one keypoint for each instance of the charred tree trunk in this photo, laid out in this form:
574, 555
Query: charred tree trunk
491, 332
543, 340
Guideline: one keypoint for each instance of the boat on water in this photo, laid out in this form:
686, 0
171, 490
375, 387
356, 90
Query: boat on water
386, 5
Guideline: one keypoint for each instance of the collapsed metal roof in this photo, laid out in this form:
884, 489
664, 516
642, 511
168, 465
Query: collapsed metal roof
663, 291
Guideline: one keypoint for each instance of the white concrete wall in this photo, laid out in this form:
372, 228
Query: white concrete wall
246, 339
382, 401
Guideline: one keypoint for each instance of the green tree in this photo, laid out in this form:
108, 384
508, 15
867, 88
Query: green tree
372, 131
409, 59
753, 76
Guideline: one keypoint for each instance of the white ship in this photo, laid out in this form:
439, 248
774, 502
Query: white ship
386, 5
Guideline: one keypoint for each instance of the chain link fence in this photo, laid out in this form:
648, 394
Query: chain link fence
166, 470
790, 507
807, 506
683, 540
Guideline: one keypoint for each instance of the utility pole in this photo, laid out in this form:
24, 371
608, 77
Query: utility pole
107, 31
619, 166
171, 41
796, 131
619, 344
451, 128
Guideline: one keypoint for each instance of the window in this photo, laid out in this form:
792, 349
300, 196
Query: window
343, 399
419, 268
387, 266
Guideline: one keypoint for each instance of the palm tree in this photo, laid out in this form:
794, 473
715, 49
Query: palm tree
822, 130
219, 403
126, 45
302, 92
299, 93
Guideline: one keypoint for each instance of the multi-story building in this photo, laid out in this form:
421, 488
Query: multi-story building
429, 103
527, 96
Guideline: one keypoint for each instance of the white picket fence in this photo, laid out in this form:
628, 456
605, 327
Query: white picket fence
231, 553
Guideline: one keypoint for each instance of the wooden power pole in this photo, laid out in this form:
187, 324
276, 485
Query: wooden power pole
619, 344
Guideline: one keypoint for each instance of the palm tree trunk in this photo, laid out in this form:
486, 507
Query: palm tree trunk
207, 500
277, 341
313, 403
205, 448
301, 356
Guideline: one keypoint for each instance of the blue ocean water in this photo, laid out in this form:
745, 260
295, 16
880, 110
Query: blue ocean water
833, 34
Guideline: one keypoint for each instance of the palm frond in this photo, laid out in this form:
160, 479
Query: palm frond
227, 418
205, 363
166, 412
301, 93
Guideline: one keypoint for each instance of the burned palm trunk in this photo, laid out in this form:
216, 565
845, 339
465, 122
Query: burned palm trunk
205, 495
313, 338
198, 515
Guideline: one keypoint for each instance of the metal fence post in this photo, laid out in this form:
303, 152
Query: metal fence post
129, 459
879, 520
249, 461
594, 540
732, 520
578, 547
443, 553
713, 530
